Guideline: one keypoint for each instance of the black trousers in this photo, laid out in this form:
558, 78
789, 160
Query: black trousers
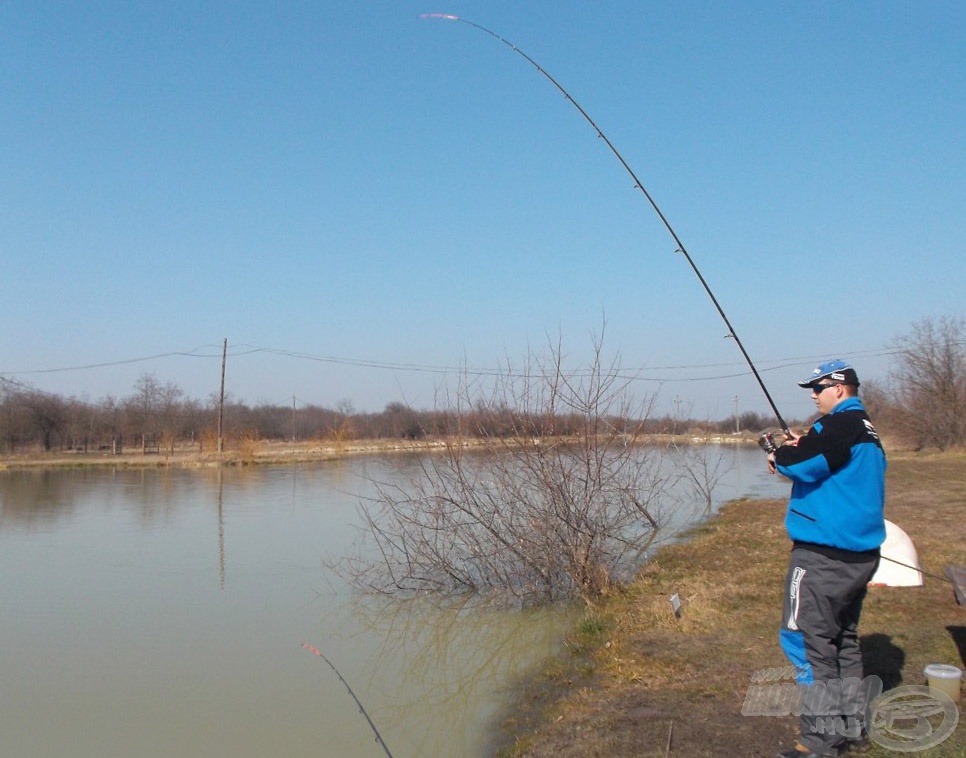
819, 634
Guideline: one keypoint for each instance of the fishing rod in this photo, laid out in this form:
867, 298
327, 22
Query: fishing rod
638, 185
362, 710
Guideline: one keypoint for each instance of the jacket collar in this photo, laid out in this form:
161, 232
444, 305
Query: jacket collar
849, 404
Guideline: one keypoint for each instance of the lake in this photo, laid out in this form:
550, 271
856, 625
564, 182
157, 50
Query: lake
162, 612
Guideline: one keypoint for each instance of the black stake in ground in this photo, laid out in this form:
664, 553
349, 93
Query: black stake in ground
639, 185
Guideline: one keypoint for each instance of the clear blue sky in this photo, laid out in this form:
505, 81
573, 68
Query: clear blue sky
344, 180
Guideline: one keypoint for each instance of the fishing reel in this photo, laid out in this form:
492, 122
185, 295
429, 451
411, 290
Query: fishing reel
770, 440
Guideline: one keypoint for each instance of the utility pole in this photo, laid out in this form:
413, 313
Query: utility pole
221, 396
737, 423
294, 428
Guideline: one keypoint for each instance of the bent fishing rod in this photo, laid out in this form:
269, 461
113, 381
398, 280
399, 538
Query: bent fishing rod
362, 710
638, 185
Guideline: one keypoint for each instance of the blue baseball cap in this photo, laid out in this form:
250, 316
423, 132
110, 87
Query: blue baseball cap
837, 370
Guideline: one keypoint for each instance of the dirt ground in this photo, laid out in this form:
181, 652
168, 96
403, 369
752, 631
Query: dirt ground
639, 682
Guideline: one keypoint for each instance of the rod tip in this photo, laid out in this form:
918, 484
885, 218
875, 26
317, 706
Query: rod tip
312, 649
441, 16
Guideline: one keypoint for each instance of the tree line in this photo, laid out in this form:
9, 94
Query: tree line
32, 420
923, 402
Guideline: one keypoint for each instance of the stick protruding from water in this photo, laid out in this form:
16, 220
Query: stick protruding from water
362, 709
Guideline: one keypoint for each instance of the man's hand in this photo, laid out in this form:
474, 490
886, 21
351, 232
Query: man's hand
791, 438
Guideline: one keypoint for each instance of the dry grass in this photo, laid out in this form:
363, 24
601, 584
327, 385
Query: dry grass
640, 682
239, 450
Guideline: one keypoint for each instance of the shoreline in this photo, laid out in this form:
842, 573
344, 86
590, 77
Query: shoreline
636, 681
258, 453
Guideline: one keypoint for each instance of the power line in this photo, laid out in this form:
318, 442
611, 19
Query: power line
643, 373
121, 362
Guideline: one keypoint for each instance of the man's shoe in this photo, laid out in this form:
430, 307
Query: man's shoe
800, 751
857, 746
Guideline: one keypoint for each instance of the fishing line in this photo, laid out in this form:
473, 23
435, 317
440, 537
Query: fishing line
914, 568
362, 710
638, 185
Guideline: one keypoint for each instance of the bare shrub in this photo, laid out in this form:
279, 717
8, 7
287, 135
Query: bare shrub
528, 514
208, 440
247, 443
341, 428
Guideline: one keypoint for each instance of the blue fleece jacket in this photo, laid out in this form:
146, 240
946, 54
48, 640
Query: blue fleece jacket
838, 481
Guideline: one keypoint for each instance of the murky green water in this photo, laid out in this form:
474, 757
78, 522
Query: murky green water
162, 613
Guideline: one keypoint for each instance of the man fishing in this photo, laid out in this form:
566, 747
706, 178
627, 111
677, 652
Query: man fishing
836, 525
835, 514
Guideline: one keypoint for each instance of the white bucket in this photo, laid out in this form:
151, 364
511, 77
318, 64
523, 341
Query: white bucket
944, 678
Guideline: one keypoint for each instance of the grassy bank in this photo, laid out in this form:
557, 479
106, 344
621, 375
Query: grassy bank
638, 682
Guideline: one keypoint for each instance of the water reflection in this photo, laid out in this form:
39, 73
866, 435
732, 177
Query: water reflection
34, 498
450, 663
221, 529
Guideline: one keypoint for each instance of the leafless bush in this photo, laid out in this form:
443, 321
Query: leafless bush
247, 443
930, 383
700, 468
530, 514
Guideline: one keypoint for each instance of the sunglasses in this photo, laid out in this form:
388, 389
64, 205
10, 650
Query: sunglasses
819, 388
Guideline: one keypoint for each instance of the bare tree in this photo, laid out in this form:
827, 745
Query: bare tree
403, 421
534, 515
13, 416
878, 402
157, 408
930, 383
48, 414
